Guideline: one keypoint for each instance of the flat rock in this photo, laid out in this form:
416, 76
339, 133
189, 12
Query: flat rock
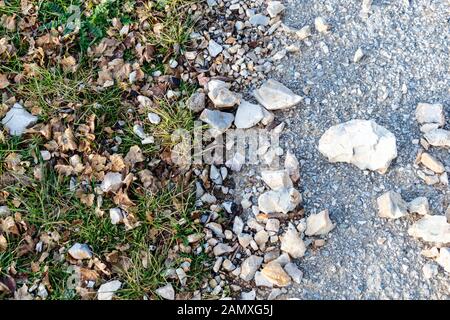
214, 48
294, 272
276, 274
107, 290
17, 120
276, 179
318, 224
274, 8
116, 215
262, 281
292, 244
112, 181
238, 225
218, 120
251, 295
431, 163
419, 205
221, 249
166, 292
248, 115
391, 205
430, 113
434, 229
80, 251
273, 95
220, 94
292, 166
360, 142
438, 138
259, 20
249, 267
282, 200
196, 102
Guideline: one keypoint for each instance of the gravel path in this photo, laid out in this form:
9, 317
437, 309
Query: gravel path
407, 61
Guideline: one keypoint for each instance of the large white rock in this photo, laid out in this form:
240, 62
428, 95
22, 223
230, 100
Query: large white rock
274, 95
276, 179
17, 120
249, 267
391, 205
112, 181
318, 224
107, 290
430, 113
363, 143
438, 137
292, 244
248, 115
282, 200
220, 94
80, 251
433, 229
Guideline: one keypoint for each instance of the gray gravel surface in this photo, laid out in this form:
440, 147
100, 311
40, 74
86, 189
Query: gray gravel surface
407, 46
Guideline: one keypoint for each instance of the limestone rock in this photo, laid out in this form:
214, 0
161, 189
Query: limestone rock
218, 120
196, 102
262, 281
220, 94
276, 179
282, 200
80, 251
430, 270
318, 224
292, 166
419, 205
248, 115
430, 113
251, 295
107, 290
214, 48
431, 163
116, 215
167, 292
221, 249
259, 20
292, 244
249, 267
391, 205
112, 181
363, 143
276, 274
274, 8
434, 229
273, 96
359, 54
17, 120
321, 25
438, 138
294, 272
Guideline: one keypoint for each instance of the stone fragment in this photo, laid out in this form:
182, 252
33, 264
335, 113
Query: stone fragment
262, 281
259, 20
214, 48
419, 205
196, 102
292, 244
431, 163
116, 215
430, 270
438, 138
359, 54
391, 205
248, 115
80, 251
282, 200
292, 166
318, 224
166, 292
430, 113
218, 120
238, 225
112, 182
276, 179
321, 25
444, 259
220, 94
433, 229
274, 8
273, 95
276, 274
251, 295
17, 120
360, 142
107, 290
249, 267
294, 272
221, 249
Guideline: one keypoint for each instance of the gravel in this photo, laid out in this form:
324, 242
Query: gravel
405, 62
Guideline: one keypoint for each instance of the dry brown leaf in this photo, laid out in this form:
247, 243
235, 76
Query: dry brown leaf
9, 226
3, 81
3, 243
134, 156
117, 164
69, 64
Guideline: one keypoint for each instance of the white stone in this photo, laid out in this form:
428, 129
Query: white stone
431, 163
251, 295
214, 48
236, 162
430, 113
360, 142
154, 118
268, 117
430, 270
116, 215
249, 267
283, 200
196, 102
166, 292
244, 239
274, 8
218, 120
276, 179
46, 155
444, 259
294, 272
391, 205
261, 238
80, 251
359, 54
216, 228
273, 225
259, 20
220, 94
318, 224
292, 166
275, 273
238, 225
214, 175
221, 249
248, 115
262, 281
17, 120
292, 244
107, 290
112, 181
434, 229
438, 138
419, 205
273, 96
321, 25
